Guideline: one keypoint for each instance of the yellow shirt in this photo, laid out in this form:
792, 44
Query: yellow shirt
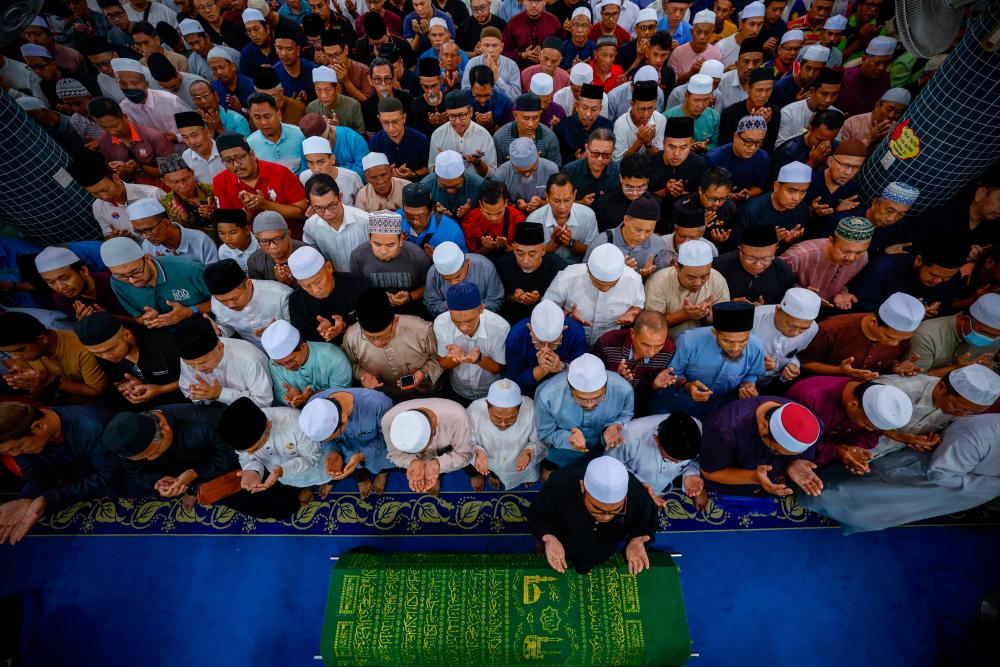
73, 361
728, 28
665, 294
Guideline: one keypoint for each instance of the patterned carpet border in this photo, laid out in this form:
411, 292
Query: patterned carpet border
410, 514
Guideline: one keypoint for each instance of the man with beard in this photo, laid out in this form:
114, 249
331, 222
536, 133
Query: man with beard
76, 290
392, 264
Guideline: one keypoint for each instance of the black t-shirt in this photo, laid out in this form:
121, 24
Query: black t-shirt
343, 300
513, 278
690, 171
772, 284
369, 108
725, 218
159, 364
419, 115
610, 209
468, 30
735, 112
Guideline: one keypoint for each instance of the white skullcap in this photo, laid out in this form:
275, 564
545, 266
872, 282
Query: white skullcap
55, 257
280, 339
886, 407
319, 419
260, 5
30, 103
704, 16
410, 432
713, 68
504, 394
606, 262
219, 52
449, 164
316, 145
190, 27
903, 312
372, 160
35, 51
881, 46
646, 73
800, 303
41, 23
580, 74
793, 36
580, 11
976, 383
616, 3
647, 14
898, 95
696, 252
120, 250
146, 207
448, 258
754, 10
126, 65
252, 15
547, 320
986, 310
541, 84
795, 172
700, 84
437, 20
305, 262
587, 373
815, 53
606, 480
324, 74
836, 22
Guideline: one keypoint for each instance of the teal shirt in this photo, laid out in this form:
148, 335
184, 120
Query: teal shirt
177, 279
326, 368
287, 151
706, 126
233, 122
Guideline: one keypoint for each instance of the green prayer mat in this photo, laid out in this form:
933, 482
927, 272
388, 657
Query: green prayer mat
427, 609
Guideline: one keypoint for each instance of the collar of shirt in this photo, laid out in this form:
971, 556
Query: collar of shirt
135, 135
193, 154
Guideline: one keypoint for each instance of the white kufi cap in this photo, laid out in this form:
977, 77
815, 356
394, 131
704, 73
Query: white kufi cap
976, 383
324, 74
55, 257
504, 394
696, 252
314, 145
547, 320
410, 432
587, 373
606, 480
146, 207
903, 312
986, 309
448, 258
700, 84
449, 164
606, 262
372, 160
305, 262
887, 407
319, 419
280, 339
800, 303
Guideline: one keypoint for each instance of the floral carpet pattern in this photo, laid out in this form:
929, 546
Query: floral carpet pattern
452, 513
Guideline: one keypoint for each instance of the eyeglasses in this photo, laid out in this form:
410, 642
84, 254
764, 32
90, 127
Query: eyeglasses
715, 200
762, 261
41, 66
593, 510
603, 155
635, 189
134, 273
844, 165
275, 242
149, 230
382, 80
753, 143
204, 5
230, 161
324, 209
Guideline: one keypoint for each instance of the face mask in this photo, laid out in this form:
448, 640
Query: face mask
976, 339
137, 95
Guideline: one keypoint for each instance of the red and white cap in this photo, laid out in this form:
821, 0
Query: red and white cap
794, 427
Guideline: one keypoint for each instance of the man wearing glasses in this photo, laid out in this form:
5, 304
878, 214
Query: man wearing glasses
583, 514
743, 158
270, 261
753, 272
158, 292
216, 117
255, 185
464, 136
161, 237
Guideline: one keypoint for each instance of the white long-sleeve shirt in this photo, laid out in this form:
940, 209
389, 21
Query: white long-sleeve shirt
626, 132
337, 245
777, 345
268, 303
242, 371
300, 458
572, 287
643, 458
503, 447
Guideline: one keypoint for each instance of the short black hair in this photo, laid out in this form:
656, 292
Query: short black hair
19, 329
262, 98
716, 177
380, 62
662, 39
830, 118
481, 75
321, 184
559, 179
100, 107
634, 165
144, 28
679, 436
492, 192
601, 134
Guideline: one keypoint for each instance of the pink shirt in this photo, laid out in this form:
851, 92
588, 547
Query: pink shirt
812, 269
560, 79
683, 57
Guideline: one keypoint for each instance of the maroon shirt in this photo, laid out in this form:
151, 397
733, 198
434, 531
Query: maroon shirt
147, 145
106, 298
823, 395
522, 32
840, 337
614, 346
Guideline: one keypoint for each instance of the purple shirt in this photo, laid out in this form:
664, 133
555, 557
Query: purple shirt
730, 440
823, 395
858, 93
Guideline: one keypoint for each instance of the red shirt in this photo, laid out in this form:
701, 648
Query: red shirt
274, 182
612, 81
475, 227
620, 33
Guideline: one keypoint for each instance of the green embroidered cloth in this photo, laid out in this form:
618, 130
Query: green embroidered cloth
426, 609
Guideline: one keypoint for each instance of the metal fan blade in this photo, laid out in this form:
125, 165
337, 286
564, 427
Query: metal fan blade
928, 27
15, 17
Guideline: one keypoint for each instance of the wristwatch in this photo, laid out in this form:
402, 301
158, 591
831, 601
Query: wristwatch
572, 242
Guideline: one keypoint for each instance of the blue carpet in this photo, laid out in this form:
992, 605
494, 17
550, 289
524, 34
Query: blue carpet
806, 597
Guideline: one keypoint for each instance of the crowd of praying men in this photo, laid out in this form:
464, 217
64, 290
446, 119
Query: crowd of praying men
603, 249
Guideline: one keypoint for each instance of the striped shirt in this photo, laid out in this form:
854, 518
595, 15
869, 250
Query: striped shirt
813, 270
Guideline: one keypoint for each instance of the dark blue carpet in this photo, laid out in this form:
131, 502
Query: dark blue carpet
806, 597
